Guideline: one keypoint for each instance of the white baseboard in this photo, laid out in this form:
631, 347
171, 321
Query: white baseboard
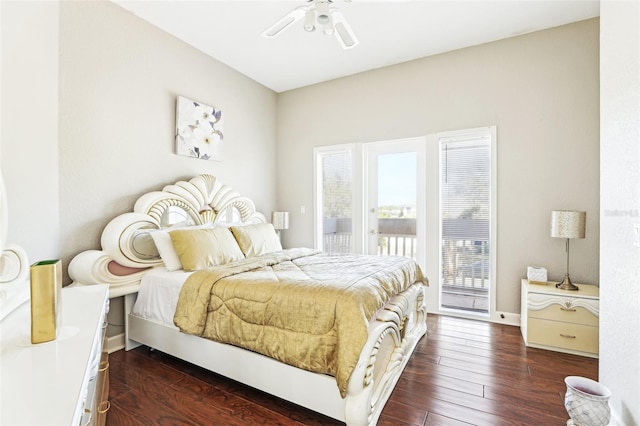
507, 318
115, 343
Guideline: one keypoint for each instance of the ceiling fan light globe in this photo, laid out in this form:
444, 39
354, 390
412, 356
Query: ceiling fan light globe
324, 19
309, 29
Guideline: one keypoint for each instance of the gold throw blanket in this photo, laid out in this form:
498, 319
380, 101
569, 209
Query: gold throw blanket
299, 306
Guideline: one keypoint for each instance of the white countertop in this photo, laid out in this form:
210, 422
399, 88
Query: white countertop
45, 383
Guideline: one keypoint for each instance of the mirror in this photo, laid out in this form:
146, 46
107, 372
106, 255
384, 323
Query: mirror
175, 215
230, 214
142, 245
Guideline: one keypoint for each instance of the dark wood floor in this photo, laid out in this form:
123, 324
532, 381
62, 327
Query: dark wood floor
463, 372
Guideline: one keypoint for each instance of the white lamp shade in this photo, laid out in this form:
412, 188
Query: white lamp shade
280, 220
568, 224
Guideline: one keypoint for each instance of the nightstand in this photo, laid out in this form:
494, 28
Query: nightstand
64, 381
560, 320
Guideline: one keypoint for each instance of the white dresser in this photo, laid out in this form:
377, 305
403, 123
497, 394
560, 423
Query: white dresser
62, 382
561, 320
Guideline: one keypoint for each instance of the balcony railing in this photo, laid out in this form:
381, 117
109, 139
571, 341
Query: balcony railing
465, 263
396, 236
337, 235
337, 242
465, 274
388, 244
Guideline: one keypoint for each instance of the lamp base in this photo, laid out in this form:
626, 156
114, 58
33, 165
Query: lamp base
566, 284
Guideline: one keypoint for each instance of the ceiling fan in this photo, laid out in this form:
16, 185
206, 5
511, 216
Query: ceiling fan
317, 14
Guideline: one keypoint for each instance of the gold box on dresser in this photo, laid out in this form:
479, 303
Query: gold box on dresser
46, 286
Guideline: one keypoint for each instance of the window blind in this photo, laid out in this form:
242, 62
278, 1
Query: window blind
337, 202
465, 210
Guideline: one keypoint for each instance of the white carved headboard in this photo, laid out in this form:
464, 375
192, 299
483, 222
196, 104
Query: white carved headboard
128, 250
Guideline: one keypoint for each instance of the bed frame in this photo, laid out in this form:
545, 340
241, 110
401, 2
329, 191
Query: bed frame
128, 252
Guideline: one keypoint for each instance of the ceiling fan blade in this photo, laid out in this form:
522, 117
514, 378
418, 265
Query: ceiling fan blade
285, 22
343, 31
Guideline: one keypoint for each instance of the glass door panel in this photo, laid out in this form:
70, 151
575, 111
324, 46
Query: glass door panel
336, 201
394, 196
465, 223
396, 204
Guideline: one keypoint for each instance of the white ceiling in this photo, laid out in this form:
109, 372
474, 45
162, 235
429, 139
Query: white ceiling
390, 32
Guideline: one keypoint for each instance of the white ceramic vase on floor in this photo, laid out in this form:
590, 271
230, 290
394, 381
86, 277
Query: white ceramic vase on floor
587, 402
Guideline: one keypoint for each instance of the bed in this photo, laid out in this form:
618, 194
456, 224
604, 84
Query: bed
332, 340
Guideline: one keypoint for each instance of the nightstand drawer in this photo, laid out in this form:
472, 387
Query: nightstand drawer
563, 335
576, 315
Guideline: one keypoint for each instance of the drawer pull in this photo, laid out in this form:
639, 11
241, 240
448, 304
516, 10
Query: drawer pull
567, 309
106, 404
104, 365
568, 336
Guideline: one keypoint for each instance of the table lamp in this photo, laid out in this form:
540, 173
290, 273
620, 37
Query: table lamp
568, 224
280, 221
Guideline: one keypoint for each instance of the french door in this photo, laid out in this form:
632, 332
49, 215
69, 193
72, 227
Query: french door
370, 198
467, 220
394, 198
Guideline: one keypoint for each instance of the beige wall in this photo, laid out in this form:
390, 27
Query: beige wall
540, 90
119, 78
620, 203
29, 130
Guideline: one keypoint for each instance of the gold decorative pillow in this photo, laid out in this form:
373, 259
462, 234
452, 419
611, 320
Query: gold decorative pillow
257, 239
162, 240
205, 248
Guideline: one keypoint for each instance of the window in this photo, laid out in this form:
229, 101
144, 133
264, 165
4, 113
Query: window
334, 199
465, 220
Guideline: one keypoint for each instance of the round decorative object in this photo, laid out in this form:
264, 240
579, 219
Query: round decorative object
587, 402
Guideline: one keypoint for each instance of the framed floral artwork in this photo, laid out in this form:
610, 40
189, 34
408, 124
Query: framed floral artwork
198, 129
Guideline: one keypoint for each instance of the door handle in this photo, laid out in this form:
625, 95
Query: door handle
373, 232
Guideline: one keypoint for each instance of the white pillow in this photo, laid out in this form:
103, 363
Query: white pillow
163, 243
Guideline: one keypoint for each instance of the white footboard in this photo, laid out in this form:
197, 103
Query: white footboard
392, 339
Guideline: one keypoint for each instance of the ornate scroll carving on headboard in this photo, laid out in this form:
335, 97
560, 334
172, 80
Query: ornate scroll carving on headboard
14, 266
127, 248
